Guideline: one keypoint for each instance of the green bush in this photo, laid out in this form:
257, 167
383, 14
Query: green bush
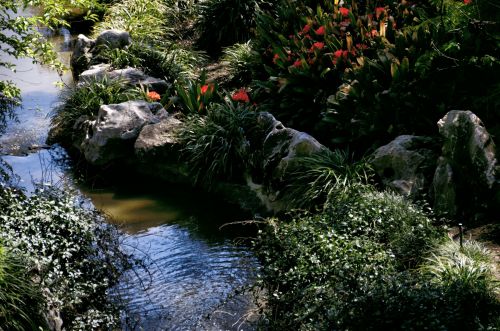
85, 99
195, 96
215, 146
21, 301
169, 61
75, 254
317, 267
222, 23
144, 20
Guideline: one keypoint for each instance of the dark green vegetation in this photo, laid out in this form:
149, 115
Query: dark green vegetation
372, 72
21, 301
354, 76
365, 263
85, 100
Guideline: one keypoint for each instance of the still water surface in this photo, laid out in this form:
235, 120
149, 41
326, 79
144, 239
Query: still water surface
191, 270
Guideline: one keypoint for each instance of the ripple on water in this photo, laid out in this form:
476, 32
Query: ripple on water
185, 281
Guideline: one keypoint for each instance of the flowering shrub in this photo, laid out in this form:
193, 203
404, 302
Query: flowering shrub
75, 255
393, 62
195, 96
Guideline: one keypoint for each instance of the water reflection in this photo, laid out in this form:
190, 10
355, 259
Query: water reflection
189, 266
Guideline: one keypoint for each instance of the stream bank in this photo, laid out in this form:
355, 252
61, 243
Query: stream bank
189, 267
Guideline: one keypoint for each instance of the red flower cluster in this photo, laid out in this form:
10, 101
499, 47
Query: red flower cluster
339, 54
344, 11
320, 31
317, 45
379, 11
154, 96
241, 95
467, 2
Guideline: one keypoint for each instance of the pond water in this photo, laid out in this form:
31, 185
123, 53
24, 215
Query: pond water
191, 270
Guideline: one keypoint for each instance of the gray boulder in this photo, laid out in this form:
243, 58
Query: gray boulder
158, 139
112, 135
81, 55
406, 164
280, 149
113, 39
131, 76
469, 152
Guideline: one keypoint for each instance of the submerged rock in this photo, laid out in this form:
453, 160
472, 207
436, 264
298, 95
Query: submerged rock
406, 164
112, 135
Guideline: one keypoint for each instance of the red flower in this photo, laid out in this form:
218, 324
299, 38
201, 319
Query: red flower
241, 95
467, 2
380, 10
344, 11
276, 58
205, 88
317, 45
339, 54
306, 29
154, 96
320, 31
297, 64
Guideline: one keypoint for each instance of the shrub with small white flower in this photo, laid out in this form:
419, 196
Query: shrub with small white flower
76, 255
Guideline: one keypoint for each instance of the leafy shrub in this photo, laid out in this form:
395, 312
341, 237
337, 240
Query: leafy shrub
223, 23
368, 73
317, 267
85, 99
144, 20
10, 97
215, 145
21, 301
309, 180
76, 254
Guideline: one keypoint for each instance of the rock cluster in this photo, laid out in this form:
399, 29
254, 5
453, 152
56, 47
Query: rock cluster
461, 175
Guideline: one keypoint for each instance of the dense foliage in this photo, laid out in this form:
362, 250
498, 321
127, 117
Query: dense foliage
21, 301
371, 71
354, 267
85, 100
74, 255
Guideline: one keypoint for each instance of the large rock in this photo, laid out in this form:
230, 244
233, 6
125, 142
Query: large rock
469, 153
131, 76
112, 135
158, 139
406, 164
113, 39
281, 149
81, 55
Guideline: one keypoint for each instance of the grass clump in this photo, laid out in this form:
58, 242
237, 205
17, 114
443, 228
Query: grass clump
215, 146
240, 57
85, 99
21, 300
309, 180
